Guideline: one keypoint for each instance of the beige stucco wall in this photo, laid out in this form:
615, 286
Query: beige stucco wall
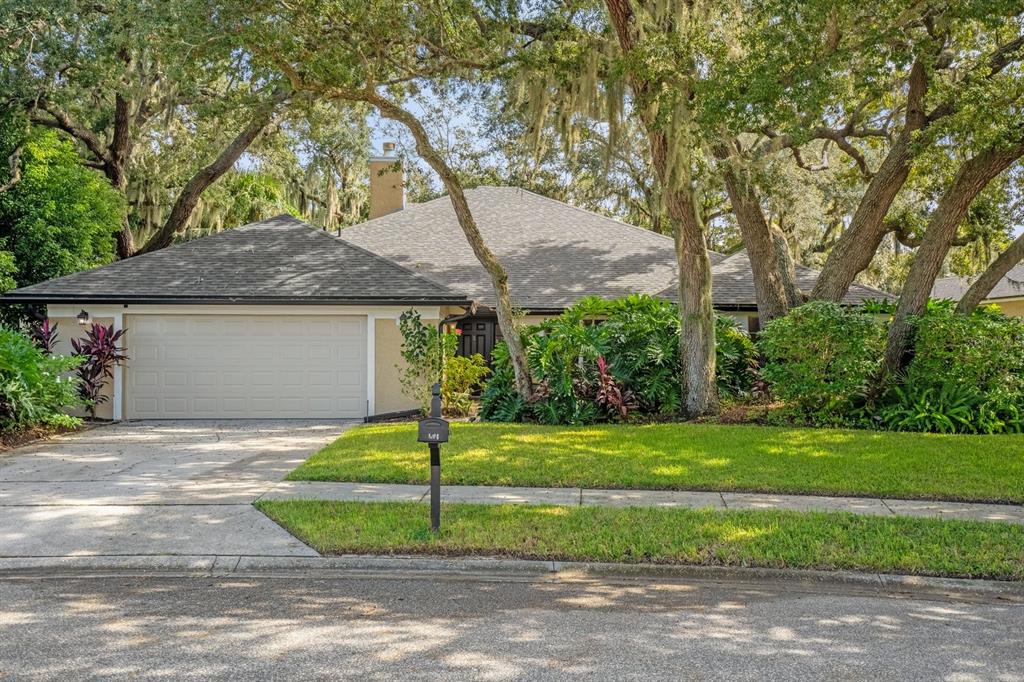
67, 329
387, 369
535, 319
1014, 308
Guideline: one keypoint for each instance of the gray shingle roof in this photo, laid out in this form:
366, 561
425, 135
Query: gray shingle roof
1010, 286
280, 259
554, 253
732, 285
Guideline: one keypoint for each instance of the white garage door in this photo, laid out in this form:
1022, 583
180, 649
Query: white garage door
245, 366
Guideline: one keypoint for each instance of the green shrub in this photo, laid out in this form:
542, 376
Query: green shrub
822, 357
462, 377
977, 359
425, 350
500, 402
638, 339
33, 388
735, 359
984, 350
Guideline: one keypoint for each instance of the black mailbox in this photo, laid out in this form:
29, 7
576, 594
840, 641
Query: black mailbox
433, 430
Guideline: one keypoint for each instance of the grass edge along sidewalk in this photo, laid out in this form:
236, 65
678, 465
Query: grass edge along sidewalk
711, 457
770, 539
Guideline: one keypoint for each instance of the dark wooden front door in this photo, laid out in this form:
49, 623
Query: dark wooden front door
479, 334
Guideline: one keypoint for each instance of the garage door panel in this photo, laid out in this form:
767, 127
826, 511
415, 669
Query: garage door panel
246, 366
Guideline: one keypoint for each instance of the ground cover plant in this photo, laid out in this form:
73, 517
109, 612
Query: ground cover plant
687, 457
772, 539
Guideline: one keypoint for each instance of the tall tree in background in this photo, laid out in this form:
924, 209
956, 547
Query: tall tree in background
58, 218
114, 76
381, 54
951, 59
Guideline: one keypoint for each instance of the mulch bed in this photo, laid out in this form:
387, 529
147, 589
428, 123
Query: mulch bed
13, 439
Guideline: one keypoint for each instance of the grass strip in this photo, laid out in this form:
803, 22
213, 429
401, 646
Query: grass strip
687, 457
775, 539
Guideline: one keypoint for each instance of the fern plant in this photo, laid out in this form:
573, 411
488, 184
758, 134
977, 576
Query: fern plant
951, 408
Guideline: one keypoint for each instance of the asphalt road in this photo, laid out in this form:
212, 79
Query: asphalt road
299, 626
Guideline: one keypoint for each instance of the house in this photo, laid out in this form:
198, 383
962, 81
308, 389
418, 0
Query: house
1007, 294
282, 319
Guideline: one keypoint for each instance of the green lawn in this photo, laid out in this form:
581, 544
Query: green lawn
687, 457
677, 536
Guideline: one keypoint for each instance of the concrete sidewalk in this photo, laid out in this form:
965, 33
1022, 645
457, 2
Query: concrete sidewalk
388, 492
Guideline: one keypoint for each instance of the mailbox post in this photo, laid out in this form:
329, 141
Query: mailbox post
433, 431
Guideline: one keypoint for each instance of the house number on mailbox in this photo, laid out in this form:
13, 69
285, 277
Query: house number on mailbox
433, 431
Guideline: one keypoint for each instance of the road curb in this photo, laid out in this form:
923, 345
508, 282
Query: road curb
502, 569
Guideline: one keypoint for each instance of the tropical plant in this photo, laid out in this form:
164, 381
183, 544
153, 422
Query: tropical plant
44, 335
950, 408
100, 353
979, 355
613, 359
499, 401
34, 388
822, 357
610, 395
463, 376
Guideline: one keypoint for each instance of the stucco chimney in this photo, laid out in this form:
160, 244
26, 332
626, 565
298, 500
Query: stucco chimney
387, 183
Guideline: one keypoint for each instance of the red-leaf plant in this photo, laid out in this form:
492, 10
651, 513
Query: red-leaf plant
44, 335
610, 395
101, 352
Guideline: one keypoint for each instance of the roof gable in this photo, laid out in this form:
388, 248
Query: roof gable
280, 259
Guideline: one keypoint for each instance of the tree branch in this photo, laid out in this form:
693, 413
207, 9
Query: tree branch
189, 196
998, 269
14, 164
61, 121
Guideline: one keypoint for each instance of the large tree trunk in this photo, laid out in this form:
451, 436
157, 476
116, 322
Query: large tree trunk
855, 248
188, 199
499, 278
770, 260
696, 315
983, 286
971, 179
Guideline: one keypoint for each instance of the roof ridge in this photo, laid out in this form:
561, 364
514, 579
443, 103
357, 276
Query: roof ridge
413, 273
581, 210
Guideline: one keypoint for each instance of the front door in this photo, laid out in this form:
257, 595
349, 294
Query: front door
479, 334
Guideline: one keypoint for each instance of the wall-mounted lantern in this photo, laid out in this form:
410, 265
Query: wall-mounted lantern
83, 317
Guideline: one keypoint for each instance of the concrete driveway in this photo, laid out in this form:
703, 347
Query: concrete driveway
154, 488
